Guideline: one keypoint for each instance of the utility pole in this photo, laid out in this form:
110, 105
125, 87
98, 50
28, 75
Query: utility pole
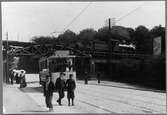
7, 60
110, 49
109, 24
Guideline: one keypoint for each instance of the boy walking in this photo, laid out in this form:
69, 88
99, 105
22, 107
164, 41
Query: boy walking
48, 92
70, 85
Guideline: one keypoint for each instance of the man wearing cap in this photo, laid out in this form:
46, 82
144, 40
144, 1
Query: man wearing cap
70, 85
60, 86
48, 92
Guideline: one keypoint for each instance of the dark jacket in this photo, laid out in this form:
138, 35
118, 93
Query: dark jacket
70, 85
60, 84
23, 81
50, 90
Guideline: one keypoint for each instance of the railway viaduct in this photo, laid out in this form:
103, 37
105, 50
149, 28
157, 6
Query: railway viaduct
98, 57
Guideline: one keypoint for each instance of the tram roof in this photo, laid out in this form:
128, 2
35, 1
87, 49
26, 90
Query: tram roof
61, 56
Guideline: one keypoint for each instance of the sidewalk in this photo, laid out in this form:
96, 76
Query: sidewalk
119, 85
13, 102
30, 100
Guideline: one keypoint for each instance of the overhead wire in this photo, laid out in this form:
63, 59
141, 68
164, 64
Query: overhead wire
77, 16
121, 18
85, 8
70, 23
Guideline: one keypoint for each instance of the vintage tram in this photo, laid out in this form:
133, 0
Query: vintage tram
61, 61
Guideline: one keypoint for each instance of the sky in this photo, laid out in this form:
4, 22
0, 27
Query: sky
24, 20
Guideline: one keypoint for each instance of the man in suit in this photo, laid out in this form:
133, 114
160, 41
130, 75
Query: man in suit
60, 86
70, 85
48, 92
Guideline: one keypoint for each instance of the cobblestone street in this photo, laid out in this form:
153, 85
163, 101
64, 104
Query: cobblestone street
91, 98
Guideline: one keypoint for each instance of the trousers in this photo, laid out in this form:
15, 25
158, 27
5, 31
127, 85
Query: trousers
48, 100
61, 95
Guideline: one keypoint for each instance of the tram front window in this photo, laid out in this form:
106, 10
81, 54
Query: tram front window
57, 65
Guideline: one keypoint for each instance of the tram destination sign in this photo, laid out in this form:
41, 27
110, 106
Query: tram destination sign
62, 53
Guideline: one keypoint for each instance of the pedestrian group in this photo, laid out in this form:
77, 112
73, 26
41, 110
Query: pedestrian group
49, 87
18, 76
60, 86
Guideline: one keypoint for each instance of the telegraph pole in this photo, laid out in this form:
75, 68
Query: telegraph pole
110, 46
111, 23
7, 60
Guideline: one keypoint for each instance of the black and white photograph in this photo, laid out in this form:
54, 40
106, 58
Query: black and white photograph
83, 57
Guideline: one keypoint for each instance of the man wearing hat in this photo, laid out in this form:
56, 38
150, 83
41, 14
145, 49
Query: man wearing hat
60, 86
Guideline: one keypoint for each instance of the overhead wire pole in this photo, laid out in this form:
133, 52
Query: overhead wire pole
7, 60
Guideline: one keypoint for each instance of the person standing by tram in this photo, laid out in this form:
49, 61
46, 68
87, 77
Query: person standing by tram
17, 78
60, 86
48, 92
22, 80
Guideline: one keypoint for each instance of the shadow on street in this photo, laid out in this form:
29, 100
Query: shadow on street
35, 111
32, 89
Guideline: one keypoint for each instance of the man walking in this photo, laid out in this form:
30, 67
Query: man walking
48, 92
60, 86
70, 85
98, 77
11, 77
86, 78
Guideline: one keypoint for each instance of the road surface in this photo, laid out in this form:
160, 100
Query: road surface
91, 98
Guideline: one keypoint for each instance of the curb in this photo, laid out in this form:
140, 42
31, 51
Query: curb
133, 87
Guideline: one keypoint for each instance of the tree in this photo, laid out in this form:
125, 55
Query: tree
103, 34
142, 40
120, 33
68, 38
131, 34
87, 36
158, 31
116, 32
